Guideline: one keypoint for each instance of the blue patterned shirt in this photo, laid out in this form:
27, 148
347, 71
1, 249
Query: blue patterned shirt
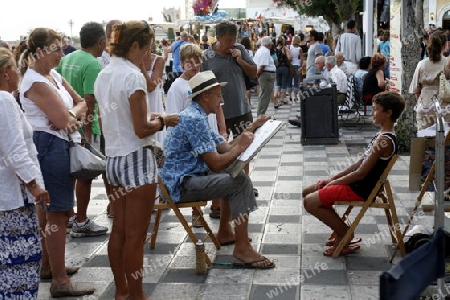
183, 145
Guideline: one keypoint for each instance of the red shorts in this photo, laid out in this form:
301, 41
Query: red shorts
337, 192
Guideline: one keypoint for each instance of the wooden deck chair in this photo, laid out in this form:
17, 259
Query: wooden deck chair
196, 206
380, 197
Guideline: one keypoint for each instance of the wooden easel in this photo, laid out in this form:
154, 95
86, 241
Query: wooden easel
428, 180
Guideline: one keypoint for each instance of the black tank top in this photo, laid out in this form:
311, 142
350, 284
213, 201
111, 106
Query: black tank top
370, 85
364, 187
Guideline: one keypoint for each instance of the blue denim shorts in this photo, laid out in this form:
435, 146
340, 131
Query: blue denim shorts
54, 158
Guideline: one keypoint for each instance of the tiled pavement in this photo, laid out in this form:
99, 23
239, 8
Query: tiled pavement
281, 229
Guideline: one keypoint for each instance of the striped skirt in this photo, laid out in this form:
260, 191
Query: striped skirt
20, 253
133, 170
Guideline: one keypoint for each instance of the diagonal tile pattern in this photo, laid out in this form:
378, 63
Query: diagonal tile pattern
280, 228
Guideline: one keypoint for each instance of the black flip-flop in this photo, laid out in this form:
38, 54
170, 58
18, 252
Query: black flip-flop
237, 263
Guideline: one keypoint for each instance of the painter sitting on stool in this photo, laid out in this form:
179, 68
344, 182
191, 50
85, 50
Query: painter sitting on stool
195, 168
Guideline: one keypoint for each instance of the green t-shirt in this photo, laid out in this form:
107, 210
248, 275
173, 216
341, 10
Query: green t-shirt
81, 69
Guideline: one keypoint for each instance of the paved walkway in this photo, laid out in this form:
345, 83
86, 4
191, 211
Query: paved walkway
281, 229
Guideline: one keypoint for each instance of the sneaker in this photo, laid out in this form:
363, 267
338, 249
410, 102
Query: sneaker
88, 229
72, 220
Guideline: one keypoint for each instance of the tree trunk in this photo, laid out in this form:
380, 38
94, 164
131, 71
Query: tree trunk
412, 31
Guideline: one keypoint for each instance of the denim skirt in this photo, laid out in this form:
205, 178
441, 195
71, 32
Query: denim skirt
54, 158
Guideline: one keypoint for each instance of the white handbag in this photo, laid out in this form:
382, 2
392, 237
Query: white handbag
86, 162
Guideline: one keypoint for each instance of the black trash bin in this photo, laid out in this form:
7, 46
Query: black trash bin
319, 112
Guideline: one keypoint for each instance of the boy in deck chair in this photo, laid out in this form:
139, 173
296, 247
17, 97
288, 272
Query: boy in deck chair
357, 181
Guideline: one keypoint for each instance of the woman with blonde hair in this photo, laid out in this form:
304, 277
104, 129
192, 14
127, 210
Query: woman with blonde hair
425, 82
131, 166
21, 187
53, 108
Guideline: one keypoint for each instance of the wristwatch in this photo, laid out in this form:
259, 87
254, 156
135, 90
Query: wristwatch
161, 119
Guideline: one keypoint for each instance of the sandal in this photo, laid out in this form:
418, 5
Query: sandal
330, 242
346, 250
215, 213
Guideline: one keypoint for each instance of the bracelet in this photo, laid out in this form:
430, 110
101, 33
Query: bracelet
161, 119
72, 114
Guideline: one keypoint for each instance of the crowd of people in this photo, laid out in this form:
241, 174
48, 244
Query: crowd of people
193, 102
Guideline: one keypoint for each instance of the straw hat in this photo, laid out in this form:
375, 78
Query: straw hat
203, 81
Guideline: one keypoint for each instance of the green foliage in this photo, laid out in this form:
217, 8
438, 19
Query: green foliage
314, 8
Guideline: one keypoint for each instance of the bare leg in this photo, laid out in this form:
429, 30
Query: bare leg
126, 245
56, 245
327, 215
117, 241
83, 193
45, 262
225, 233
138, 212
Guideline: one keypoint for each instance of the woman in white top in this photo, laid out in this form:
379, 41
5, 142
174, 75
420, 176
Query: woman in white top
121, 92
153, 68
21, 186
425, 82
296, 54
53, 108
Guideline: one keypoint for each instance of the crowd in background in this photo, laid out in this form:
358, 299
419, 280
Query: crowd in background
151, 82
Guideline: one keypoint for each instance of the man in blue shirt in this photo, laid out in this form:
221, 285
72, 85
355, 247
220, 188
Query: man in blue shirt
195, 168
176, 68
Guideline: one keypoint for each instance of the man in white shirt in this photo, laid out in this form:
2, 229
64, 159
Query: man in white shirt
266, 73
338, 76
350, 44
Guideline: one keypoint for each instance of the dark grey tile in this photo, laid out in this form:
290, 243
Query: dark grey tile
263, 183
362, 263
262, 203
255, 228
160, 248
366, 229
100, 260
279, 249
337, 154
183, 276
325, 277
267, 156
293, 178
299, 152
315, 238
287, 196
312, 159
258, 169
316, 173
313, 148
291, 163
108, 294
281, 291
284, 219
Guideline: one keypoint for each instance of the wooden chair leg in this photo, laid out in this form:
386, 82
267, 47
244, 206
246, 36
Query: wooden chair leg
391, 224
189, 231
396, 223
155, 229
350, 231
208, 230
